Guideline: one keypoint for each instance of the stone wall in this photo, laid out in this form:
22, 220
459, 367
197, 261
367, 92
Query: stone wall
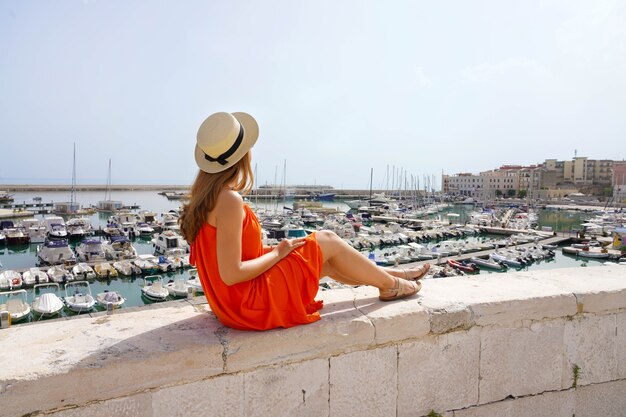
491, 345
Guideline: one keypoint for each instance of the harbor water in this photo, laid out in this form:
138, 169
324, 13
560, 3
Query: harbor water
21, 257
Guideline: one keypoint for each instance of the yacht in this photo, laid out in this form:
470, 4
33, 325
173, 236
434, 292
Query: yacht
121, 248
78, 227
16, 304
55, 252
55, 227
169, 243
47, 304
35, 230
78, 297
92, 249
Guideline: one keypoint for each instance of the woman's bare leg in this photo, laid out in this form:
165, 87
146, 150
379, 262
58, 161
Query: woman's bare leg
349, 264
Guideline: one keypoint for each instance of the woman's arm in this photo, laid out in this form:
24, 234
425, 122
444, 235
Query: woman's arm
229, 217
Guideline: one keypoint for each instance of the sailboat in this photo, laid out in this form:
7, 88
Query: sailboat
107, 204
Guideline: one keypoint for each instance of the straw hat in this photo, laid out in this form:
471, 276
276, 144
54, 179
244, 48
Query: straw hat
223, 139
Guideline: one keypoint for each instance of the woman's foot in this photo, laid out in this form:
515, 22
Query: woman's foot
403, 288
416, 273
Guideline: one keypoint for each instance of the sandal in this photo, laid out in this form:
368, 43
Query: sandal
421, 271
403, 288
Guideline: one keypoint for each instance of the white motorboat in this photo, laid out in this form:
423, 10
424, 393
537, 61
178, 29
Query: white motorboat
144, 229
35, 230
60, 274
507, 259
113, 298
78, 228
78, 297
194, 281
83, 271
16, 303
168, 243
488, 263
147, 263
92, 249
104, 270
164, 264
10, 280
55, 252
126, 267
55, 227
16, 236
34, 276
120, 247
47, 304
178, 287
153, 288
179, 260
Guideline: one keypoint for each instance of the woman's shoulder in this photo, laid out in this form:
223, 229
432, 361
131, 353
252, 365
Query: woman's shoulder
229, 200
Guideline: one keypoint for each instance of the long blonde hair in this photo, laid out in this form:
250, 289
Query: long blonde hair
205, 190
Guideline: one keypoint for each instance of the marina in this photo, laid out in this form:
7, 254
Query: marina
454, 239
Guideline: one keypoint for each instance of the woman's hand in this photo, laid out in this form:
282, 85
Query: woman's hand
285, 246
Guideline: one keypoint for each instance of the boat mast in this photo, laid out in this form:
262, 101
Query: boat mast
256, 193
371, 180
107, 191
73, 192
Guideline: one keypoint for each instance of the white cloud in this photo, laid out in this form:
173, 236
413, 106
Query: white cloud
487, 71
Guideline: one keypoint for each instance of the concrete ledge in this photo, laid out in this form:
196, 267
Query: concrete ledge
462, 344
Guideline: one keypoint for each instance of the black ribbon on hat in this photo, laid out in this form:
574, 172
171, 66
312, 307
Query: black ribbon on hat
222, 158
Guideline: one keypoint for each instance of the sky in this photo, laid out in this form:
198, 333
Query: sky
339, 88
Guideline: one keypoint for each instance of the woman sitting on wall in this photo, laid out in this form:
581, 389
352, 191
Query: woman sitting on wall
249, 286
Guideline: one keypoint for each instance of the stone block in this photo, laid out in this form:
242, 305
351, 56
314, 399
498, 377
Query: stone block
620, 345
521, 361
220, 396
96, 359
342, 328
134, 406
299, 389
602, 400
438, 373
548, 404
599, 289
393, 321
364, 383
498, 299
590, 344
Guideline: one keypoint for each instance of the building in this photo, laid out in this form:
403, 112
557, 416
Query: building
463, 184
619, 181
580, 172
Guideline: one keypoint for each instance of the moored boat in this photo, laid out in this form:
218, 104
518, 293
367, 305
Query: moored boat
153, 288
83, 271
112, 298
463, 266
34, 276
488, 263
10, 280
78, 297
16, 304
47, 304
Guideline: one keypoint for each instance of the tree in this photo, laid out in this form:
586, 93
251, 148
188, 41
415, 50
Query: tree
522, 193
510, 193
498, 193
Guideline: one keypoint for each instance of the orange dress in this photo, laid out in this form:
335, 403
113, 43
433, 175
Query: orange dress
282, 296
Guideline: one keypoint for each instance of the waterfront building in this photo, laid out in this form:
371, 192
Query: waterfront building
463, 184
619, 181
582, 173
